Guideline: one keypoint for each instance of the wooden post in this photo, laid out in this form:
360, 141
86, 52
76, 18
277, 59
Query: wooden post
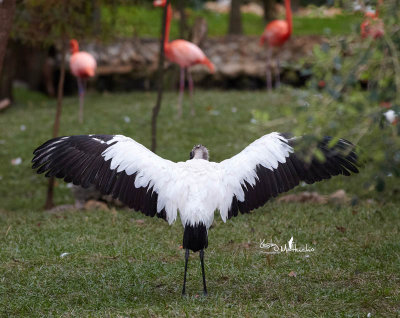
235, 18
160, 72
56, 128
7, 10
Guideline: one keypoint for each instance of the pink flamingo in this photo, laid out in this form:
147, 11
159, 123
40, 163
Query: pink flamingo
372, 26
276, 33
82, 66
183, 53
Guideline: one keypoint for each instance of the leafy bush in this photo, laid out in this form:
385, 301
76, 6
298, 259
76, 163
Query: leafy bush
358, 82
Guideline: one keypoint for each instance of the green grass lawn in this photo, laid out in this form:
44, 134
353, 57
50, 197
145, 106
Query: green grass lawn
119, 266
146, 22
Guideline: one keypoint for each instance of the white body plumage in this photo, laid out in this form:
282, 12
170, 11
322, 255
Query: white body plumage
196, 188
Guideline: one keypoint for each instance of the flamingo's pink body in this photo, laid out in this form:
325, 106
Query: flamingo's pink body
372, 26
276, 33
186, 54
183, 53
82, 66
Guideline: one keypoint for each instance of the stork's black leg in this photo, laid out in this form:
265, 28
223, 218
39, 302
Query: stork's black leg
204, 275
184, 277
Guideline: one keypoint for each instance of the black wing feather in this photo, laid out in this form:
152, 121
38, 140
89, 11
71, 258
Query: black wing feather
339, 159
78, 159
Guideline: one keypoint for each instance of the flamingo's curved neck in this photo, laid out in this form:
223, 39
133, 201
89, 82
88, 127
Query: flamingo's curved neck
168, 24
74, 46
289, 15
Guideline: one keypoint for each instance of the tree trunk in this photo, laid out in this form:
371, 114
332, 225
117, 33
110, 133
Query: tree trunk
183, 26
8, 74
269, 10
7, 10
96, 17
235, 18
160, 72
50, 188
295, 5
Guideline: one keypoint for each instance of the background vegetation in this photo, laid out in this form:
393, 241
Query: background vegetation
127, 21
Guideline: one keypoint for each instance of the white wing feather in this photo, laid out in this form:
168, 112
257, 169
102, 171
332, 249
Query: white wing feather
196, 187
152, 170
267, 151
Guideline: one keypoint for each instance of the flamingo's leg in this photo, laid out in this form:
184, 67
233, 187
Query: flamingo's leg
278, 73
191, 86
268, 69
181, 89
81, 90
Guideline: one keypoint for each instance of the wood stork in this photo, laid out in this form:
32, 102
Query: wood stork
120, 166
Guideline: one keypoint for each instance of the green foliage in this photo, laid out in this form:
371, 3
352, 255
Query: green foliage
342, 24
358, 81
129, 20
47, 21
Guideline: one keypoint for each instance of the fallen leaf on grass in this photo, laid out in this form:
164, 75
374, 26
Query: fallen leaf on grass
341, 229
96, 205
223, 279
139, 221
293, 274
246, 245
8, 230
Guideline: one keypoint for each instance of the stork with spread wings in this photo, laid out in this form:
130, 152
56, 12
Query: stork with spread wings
119, 166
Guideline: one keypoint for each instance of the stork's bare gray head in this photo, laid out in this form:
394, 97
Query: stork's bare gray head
199, 152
